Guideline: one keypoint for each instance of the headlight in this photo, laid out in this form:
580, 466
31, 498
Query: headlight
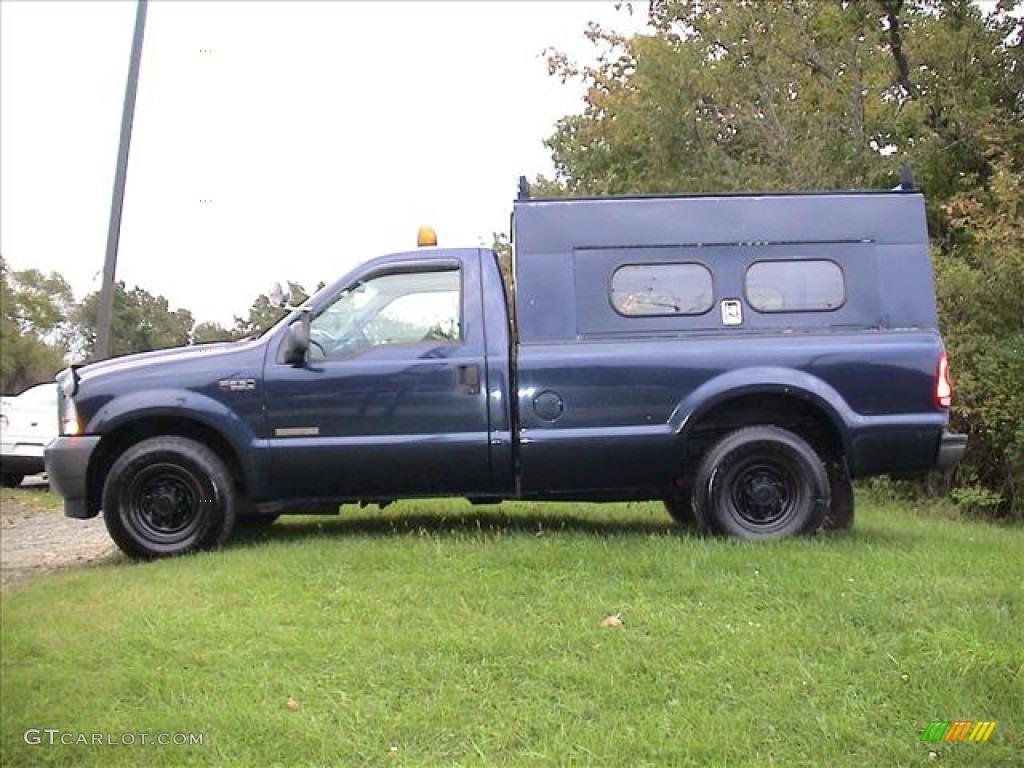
68, 416
67, 387
67, 380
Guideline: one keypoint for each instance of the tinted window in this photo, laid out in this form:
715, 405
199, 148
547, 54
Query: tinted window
662, 289
795, 286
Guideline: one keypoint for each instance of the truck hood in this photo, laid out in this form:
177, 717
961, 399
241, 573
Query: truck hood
146, 361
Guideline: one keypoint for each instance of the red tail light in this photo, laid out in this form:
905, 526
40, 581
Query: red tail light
943, 385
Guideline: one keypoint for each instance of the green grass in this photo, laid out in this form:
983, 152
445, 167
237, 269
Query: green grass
435, 634
37, 498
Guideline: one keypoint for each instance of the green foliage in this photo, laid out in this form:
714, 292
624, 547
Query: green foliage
263, 314
502, 245
803, 94
42, 324
34, 334
979, 278
788, 95
44, 304
209, 332
141, 322
441, 634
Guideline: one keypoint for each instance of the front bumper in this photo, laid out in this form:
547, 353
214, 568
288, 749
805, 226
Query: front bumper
951, 450
67, 464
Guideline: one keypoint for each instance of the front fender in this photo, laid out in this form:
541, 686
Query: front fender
184, 405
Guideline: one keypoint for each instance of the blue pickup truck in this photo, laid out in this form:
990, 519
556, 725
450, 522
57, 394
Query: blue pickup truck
738, 357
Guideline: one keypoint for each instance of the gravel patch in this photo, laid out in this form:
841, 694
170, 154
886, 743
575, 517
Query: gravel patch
34, 541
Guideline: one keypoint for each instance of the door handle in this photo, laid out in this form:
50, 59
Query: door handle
467, 379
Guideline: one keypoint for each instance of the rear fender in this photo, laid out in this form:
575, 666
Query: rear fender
764, 380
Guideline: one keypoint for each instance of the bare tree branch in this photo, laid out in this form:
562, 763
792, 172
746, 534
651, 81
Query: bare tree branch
892, 9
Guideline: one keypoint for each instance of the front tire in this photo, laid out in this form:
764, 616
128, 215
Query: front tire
761, 483
168, 496
11, 480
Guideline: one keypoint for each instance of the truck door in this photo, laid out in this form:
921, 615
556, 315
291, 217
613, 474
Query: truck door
392, 399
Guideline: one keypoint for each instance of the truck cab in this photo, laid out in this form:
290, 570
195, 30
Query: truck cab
402, 368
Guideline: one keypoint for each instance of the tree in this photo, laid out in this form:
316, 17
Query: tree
141, 322
45, 306
502, 245
209, 332
802, 94
787, 95
263, 314
979, 281
33, 330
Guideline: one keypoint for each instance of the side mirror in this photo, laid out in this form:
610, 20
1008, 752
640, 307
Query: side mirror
296, 342
279, 296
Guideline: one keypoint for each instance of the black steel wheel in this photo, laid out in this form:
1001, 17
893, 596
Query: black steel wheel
168, 496
761, 483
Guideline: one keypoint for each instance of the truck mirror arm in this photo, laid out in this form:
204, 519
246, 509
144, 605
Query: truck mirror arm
296, 342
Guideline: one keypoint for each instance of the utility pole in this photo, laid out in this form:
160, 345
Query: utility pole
106, 308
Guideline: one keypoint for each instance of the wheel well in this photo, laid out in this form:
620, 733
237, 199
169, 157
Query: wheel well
791, 412
127, 435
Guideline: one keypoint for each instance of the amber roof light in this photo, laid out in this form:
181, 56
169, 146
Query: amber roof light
426, 236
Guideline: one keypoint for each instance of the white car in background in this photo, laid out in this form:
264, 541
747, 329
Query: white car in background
27, 423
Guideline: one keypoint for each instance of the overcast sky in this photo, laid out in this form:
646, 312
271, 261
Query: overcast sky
321, 134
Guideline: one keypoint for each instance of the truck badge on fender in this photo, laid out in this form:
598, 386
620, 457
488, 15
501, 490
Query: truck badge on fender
237, 385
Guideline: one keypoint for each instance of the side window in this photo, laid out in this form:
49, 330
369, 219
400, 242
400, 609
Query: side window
811, 285
639, 290
404, 308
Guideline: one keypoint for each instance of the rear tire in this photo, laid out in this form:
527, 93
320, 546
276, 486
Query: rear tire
761, 483
840, 510
168, 496
680, 508
10, 480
